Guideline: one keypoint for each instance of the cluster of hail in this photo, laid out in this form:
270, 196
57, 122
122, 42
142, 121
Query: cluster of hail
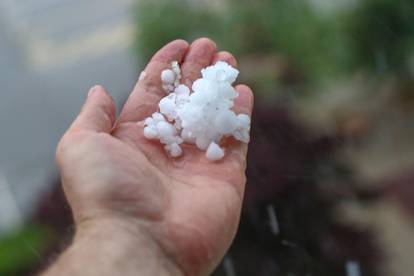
202, 116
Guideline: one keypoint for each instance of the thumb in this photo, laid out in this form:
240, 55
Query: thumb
98, 112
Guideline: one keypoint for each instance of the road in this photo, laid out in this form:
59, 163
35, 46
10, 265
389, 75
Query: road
51, 52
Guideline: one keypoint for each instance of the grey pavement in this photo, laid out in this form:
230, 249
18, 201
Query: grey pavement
51, 52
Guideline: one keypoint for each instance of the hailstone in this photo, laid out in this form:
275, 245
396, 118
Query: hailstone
201, 115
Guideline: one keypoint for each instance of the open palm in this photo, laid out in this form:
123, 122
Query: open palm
189, 206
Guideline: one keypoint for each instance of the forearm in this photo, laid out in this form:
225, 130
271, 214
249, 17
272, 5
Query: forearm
112, 249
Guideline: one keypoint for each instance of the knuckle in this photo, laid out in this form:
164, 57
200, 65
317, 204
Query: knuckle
61, 149
67, 143
207, 41
226, 56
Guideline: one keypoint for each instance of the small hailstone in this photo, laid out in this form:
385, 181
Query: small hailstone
226, 122
244, 120
167, 107
149, 121
202, 116
182, 91
214, 152
188, 136
168, 76
221, 71
158, 117
243, 129
150, 132
242, 136
168, 88
176, 67
165, 129
174, 149
202, 142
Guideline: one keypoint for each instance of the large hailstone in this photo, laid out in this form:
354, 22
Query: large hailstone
202, 116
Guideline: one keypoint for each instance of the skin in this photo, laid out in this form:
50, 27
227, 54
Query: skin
137, 210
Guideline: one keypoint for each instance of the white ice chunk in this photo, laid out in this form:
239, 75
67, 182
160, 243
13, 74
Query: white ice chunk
188, 136
182, 93
214, 152
168, 76
166, 130
157, 117
171, 77
182, 90
151, 132
226, 122
221, 71
201, 85
190, 116
168, 88
149, 121
174, 150
202, 142
202, 116
167, 107
244, 121
242, 135
228, 91
176, 68
243, 129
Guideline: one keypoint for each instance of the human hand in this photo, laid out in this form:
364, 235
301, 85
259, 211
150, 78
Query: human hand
187, 208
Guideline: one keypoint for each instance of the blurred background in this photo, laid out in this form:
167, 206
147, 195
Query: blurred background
331, 163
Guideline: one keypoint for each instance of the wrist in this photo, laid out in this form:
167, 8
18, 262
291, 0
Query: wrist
129, 245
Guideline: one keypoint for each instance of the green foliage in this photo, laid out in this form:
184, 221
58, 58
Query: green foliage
162, 21
377, 35
382, 33
21, 249
244, 27
292, 28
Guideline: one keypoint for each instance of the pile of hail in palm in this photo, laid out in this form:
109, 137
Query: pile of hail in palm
202, 115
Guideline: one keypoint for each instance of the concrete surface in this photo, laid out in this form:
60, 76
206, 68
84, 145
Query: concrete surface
51, 52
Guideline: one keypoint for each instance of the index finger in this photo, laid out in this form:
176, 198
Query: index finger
148, 91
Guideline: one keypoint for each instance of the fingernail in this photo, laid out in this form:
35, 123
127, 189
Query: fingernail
92, 90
